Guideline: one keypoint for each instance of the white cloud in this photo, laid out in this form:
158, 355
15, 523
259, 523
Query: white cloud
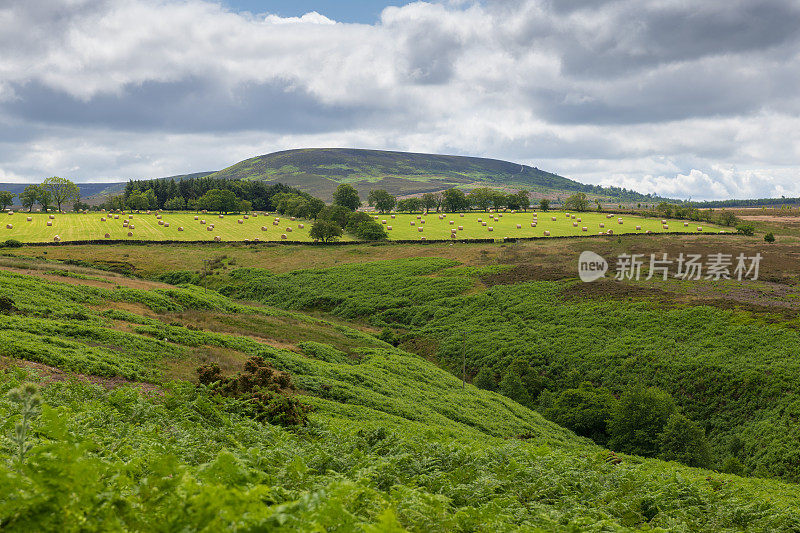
660, 96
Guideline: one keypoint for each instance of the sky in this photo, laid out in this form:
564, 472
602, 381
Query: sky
684, 99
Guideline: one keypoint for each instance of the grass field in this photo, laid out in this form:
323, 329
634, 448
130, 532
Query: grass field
77, 227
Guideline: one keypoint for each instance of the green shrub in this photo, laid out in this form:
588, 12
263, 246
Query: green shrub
684, 441
11, 243
370, 231
639, 419
586, 410
769, 237
485, 379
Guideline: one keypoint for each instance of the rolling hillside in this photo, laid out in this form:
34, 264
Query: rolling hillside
320, 170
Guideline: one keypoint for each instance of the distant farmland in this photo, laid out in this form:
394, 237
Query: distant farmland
195, 227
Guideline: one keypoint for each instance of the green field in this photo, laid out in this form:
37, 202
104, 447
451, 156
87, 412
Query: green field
78, 227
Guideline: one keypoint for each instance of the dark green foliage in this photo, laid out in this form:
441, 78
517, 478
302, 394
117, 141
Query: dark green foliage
410, 205
746, 229
577, 202
11, 243
455, 200
220, 200
586, 410
485, 379
769, 237
7, 305
346, 196
325, 230
176, 203
355, 219
297, 205
638, 420
180, 277
6, 199
684, 441
382, 200
370, 231
264, 393
335, 213
544, 204
388, 336
511, 386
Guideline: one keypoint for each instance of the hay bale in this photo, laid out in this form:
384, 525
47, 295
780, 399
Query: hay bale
52, 217
480, 220
292, 219
451, 222
301, 226
609, 215
158, 217
116, 217
203, 221
699, 228
263, 228
554, 219
685, 224
533, 224
483, 223
413, 223
665, 226
546, 233
619, 222
389, 228
422, 221
49, 222
519, 226
452, 235
584, 228
288, 230
240, 221
579, 220
283, 236
383, 221
166, 224
209, 228
160, 222
490, 228
246, 217
222, 216
217, 238
663, 221
131, 227
638, 228
130, 234
602, 225
9, 226
393, 216
461, 215
102, 219
29, 219
11, 212
180, 228
574, 224
461, 228
107, 235
56, 238
420, 229
422, 238
419, 217
610, 232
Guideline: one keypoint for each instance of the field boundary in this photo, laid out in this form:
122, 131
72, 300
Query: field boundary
344, 243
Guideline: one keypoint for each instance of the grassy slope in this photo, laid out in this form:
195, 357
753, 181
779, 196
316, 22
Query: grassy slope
320, 170
736, 373
394, 439
73, 226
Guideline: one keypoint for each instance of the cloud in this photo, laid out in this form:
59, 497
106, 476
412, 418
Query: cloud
659, 95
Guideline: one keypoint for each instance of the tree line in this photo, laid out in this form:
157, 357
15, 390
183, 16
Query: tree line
55, 190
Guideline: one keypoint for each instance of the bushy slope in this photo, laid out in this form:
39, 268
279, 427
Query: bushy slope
394, 442
736, 374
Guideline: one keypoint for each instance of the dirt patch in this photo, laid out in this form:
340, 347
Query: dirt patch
51, 374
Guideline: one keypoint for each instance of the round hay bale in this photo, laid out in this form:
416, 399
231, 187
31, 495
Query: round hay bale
209, 228
461, 215
292, 219
389, 228
609, 215
490, 228
275, 222
107, 235
116, 217
383, 221
483, 223
480, 220
196, 218
546, 233
56, 238
519, 226
52, 217
263, 228
452, 235
579, 220
131, 227
619, 222
584, 228
648, 231
222, 216
602, 225
240, 221
131, 216
685, 224
49, 222
160, 222
413, 223
610, 232
204, 211
663, 221
102, 219
29, 219
419, 217
461, 228
11, 212
130, 234
452, 222
301, 226
180, 228
393, 216
288, 230
533, 224
9, 226
722, 231
574, 224
638, 228
699, 228
422, 221
217, 238
283, 236
166, 224
554, 219
203, 221
158, 217
422, 238
246, 217
420, 229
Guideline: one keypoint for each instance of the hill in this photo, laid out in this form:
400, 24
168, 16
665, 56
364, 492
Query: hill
393, 442
319, 171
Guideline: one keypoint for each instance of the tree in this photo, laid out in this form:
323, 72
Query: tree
346, 196
544, 204
136, 200
746, 229
577, 202
245, 206
151, 199
325, 230
512, 387
639, 419
684, 441
485, 379
518, 200
432, 201
355, 218
44, 198
409, 205
335, 213
382, 200
222, 201
175, 204
585, 410
482, 197
6, 199
455, 200
61, 190
769, 237
80, 206
665, 209
371, 231
29, 196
